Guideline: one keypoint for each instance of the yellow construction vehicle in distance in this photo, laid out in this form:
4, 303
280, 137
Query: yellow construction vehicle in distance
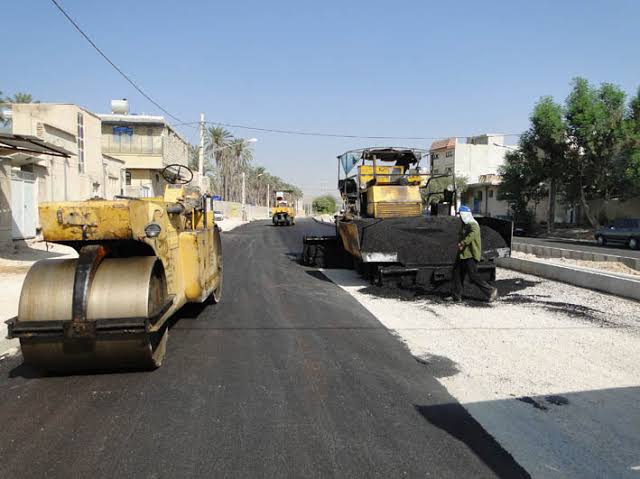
284, 211
139, 260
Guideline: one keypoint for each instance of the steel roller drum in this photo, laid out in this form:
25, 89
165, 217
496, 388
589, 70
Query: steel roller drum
122, 288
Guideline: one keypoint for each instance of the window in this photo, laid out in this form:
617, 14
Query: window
127, 178
490, 193
435, 156
478, 195
80, 139
149, 143
449, 154
436, 171
449, 170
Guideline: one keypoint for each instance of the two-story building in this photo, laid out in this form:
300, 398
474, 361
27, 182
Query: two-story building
146, 144
478, 160
37, 177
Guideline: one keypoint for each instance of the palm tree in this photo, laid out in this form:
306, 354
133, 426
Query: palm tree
21, 98
216, 141
238, 157
194, 157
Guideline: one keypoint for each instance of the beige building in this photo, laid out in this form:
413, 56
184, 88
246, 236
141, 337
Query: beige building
479, 155
37, 177
146, 144
482, 197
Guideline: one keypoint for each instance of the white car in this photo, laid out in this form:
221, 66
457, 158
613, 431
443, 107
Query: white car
218, 215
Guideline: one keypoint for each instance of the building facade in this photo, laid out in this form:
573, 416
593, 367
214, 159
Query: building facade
479, 155
35, 178
146, 144
477, 160
482, 197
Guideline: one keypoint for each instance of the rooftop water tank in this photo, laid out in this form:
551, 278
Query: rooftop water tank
120, 107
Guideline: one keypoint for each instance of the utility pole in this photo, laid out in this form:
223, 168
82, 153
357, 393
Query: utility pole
201, 150
268, 202
244, 211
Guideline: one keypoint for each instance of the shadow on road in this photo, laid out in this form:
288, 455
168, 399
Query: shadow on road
456, 421
21, 251
318, 275
22, 370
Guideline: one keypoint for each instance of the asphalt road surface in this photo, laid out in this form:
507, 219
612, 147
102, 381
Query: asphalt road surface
288, 377
589, 246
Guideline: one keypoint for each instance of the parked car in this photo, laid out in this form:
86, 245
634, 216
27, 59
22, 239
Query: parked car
622, 231
218, 215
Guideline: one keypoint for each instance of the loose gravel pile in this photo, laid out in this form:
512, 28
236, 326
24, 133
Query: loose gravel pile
420, 240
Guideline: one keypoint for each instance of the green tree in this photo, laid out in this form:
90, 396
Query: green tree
595, 121
216, 141
20, 97
630, 158
237, 156
434, 191
324, 204
548, 134
523, 177
194, 157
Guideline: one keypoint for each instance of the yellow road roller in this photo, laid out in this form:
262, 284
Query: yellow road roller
284, 212
139, 260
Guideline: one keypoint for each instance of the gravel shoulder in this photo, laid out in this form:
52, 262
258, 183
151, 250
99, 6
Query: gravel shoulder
550, 370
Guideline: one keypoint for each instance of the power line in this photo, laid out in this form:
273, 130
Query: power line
124, 75
245, 127
333, 135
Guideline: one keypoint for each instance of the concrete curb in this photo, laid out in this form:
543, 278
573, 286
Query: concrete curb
552, 252
619, 285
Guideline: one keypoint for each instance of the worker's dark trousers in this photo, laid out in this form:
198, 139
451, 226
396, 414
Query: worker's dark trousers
468, 267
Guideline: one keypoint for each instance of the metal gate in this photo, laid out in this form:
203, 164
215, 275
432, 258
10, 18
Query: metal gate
23, 205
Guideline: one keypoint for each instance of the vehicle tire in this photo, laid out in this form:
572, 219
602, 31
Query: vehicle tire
634, 243
601, 240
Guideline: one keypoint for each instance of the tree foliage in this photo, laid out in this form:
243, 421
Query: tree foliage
434, 191
324, 204
226, 158
18, 97
587, 149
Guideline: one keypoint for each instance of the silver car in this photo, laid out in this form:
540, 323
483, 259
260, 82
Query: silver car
624, 231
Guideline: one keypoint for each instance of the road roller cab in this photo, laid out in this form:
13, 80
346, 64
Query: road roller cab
139, 260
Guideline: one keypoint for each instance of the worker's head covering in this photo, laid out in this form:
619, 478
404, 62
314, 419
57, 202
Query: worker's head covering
465, 215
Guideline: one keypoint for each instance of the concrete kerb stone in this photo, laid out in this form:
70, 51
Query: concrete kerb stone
616, 284
550, 252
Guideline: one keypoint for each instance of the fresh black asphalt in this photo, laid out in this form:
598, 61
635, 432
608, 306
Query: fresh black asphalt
287, 377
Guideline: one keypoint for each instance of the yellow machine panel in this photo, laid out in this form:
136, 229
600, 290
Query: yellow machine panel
393, 201
384, 174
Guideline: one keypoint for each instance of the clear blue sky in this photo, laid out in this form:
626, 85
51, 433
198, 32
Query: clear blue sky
401, 68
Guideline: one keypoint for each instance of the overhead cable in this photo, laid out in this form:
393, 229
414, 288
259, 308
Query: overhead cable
118, 69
